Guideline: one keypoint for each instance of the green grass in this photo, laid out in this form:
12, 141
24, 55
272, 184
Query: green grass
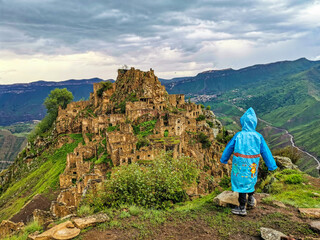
42, 180
291, 187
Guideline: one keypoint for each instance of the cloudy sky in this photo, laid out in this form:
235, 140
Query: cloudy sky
63, 39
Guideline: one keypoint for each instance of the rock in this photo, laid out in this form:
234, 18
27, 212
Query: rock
90, 220
271, 234
227, 198
278, 204
285, 163
7, 228
310, 212
62, 231
315, 226
262, 195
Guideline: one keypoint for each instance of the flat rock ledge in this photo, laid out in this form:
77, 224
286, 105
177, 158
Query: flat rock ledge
90, 220
310, 212
271, 234
70, 229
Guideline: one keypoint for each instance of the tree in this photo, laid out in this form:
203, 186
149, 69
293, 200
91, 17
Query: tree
57, 97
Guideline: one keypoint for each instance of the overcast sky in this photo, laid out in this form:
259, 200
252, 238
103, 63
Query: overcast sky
63, 39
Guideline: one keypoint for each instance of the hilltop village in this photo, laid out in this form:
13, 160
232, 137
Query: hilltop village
133, 120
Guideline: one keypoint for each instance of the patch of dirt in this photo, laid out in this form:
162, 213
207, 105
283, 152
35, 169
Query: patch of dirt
37, 202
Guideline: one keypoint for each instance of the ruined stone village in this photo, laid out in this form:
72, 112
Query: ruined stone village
176, 125
108, 123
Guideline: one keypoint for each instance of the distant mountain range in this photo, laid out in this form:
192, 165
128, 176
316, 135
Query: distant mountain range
24, 102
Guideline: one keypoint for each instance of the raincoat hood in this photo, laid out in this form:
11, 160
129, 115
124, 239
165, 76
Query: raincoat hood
249, 120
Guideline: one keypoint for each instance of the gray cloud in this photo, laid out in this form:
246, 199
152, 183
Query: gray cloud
198, 33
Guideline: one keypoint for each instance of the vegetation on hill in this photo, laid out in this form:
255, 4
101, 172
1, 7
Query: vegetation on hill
57, 98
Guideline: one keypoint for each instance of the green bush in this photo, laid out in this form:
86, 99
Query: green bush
204, 140
33, 227
293, 179
210, 124
144, 129
142, 142
208, 107
291, 152
201, 117
225, 182
156, 185
85, 210
202, 106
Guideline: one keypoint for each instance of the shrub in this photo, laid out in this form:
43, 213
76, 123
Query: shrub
144, 129
289, 151
293, 179
85, 210
204, 140
157, 185
33, 227
134, 210
124, 214
208, 107
202, 106
142, 142
225, 182
201, 117
210, 124
223, 136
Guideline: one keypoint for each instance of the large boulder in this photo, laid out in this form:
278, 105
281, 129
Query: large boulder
310, 212
285, 163
271, 234
315, 226
90, 220
228, 198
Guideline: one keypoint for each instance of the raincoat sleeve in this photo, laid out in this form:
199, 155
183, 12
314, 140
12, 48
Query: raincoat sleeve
228, 150
267, 155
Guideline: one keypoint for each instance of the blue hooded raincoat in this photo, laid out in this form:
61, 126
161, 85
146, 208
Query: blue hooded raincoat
247, 146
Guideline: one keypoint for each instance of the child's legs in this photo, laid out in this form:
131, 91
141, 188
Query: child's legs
242, 199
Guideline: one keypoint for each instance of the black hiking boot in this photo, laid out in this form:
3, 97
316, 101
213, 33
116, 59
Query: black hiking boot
250, 203
239, 211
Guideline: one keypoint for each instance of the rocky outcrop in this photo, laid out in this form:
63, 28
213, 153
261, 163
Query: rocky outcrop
7, 228
285, 163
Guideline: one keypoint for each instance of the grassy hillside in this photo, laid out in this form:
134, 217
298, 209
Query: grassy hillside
40, 178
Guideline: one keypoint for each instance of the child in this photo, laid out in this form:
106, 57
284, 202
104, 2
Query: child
247, 146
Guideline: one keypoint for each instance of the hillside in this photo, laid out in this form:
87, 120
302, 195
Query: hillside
285, 94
